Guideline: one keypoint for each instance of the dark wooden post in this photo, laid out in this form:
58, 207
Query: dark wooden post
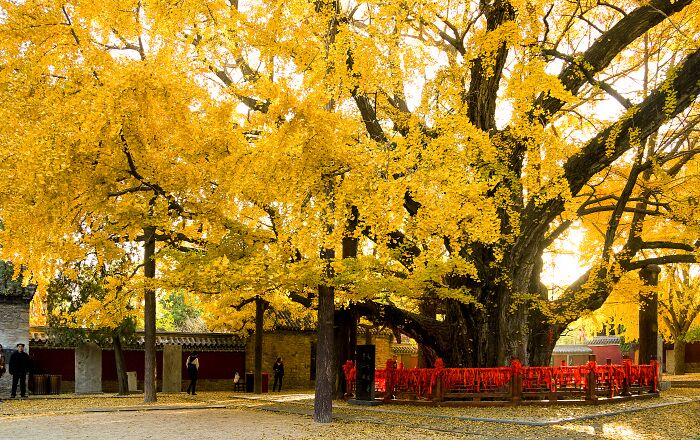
626, 363
591, 379
389, 383
516, 381
648, 314
439, 391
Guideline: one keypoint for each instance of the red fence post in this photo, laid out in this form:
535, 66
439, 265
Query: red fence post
439, 391
389, 382
611, 380
516, 381
591, 379
655, 378
627, 367
349, 378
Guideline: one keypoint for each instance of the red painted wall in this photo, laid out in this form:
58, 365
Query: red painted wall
53, 361
692, 352
603, 352
133, 360
217, 364
212, 364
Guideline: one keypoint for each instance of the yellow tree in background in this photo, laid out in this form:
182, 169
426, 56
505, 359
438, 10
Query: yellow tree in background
679, 307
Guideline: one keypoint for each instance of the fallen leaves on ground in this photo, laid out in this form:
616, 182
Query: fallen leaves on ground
679, 421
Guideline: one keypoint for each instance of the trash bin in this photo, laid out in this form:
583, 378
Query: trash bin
41, 384
249, 382
55, 383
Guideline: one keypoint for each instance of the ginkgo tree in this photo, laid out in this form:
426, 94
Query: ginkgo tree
107, 140
441, 148
679, 308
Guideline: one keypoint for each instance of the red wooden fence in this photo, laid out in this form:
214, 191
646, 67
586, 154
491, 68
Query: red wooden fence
513, 384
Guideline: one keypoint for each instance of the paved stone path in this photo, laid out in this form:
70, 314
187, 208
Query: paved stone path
226, 416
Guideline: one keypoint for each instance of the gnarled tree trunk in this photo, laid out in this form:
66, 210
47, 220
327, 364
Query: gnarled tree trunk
120, 365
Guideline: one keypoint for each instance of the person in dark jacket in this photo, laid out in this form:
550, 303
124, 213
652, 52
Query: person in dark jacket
192, 371
2, 361
278, 368
19, 367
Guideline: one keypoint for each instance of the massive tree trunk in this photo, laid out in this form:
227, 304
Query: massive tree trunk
149, 318
426, 355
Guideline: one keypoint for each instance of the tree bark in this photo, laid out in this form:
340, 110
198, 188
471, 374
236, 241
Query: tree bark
679, 356
648, 315
149, 318
345, 323
426, 355
325, 374
259, 315
120, 365
323, 399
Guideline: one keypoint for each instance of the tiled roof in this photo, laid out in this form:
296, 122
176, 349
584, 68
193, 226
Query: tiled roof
201, 341
285, 321
572, 349
11, 290
398, 349
604, 340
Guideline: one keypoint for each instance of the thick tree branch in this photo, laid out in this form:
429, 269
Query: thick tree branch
606, 47
666, 259
486, 75
639, 123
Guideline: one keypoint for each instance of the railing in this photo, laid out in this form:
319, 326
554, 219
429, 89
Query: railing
513, 384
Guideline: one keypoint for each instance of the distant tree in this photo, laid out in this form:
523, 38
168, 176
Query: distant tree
177, 314
679, 308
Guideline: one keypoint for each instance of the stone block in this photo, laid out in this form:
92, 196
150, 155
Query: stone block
132, 381
88, 369
172, 368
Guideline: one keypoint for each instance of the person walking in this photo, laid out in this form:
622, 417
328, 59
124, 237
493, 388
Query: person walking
278, 369
19, 367
192, 371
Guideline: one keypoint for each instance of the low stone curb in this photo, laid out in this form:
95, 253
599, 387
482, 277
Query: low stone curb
153, 408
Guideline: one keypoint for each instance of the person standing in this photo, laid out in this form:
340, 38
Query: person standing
19, 367
2, 361
278, 369
192, 371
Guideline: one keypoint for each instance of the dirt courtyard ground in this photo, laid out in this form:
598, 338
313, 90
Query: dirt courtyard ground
676, 415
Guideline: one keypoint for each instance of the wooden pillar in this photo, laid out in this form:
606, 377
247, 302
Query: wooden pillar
648, 314
591, 379
259, 314
516, 381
